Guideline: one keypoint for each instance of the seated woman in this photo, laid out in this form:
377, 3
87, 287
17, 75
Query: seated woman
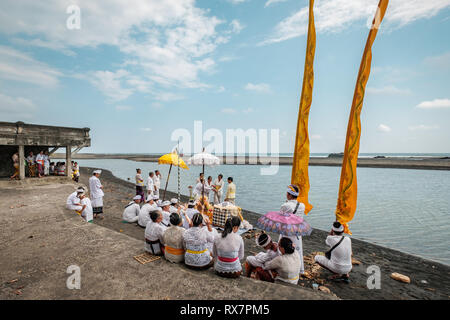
340, 254
228, 250
154, 241
297, 208
285, 267
196, 240
173, 239
253, 263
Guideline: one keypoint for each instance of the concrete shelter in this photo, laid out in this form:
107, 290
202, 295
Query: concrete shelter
23, 138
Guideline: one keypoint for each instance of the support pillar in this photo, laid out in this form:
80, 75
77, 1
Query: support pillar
22, 162
69, 161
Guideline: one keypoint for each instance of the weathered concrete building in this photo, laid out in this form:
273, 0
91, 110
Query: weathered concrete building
23, 138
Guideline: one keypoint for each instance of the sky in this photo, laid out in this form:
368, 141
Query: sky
136, 71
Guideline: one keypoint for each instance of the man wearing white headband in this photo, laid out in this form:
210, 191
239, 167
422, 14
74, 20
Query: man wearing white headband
294, 207
165, 206
96, 188
144, 214
73, 201
338, 259
132, 210
86, 211
173, 205
271, 252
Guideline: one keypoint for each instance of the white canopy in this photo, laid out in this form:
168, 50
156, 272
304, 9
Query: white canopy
204, 158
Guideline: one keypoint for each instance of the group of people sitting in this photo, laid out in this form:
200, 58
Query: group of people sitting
40, 166
184, 235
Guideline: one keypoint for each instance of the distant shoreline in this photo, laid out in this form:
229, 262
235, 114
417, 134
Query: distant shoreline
413, 162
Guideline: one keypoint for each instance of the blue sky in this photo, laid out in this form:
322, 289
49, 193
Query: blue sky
135, 71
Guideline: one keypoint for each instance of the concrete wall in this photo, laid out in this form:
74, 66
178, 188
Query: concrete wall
6, 153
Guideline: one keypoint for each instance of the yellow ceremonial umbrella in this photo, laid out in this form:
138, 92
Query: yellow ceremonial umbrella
174, 160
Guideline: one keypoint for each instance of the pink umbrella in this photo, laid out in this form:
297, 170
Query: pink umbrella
283, 223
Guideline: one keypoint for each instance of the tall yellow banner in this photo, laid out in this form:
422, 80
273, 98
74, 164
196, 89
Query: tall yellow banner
301, 153
346, 204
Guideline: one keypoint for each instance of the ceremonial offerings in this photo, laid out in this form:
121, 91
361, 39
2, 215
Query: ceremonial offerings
286, 224
222, 213
204, 207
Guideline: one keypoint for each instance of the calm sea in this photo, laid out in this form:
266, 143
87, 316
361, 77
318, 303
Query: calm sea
403, 209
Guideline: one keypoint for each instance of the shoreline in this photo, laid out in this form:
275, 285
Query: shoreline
435, 274
416, 163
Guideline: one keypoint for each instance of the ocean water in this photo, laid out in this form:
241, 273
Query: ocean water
403, 209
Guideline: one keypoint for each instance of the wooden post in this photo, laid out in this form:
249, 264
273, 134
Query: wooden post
167, 182
22, 162
68, 161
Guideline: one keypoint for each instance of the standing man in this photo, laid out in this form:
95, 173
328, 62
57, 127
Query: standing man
157, 182
218, 189
231, 191
40, 160
140, 185
150, 185
47, 163
97, 194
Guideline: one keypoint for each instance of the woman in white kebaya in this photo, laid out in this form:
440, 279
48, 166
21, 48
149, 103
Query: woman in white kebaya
228, 250
154, 232
285, 267
196, 240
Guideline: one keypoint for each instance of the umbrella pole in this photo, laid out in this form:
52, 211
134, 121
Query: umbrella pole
204, 181
167, 182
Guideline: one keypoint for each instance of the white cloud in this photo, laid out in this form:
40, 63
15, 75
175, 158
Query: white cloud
124, 108
423, 127
228, 111
17, 107
248, 110
260, 87
237, 1
337, 15
146, 129
384, 128
220, 89
236, 26
168, 96
111, 84
269, 2
168, 43
441, 62
435, 104
388, 90
18, 66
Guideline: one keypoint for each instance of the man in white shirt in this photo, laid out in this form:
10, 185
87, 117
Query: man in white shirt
97, 194
218, 189
144, 214
40, 160
73, 201
86, 212
165, 206
150, 185
132, 210
157, 182
46, 163
340, 262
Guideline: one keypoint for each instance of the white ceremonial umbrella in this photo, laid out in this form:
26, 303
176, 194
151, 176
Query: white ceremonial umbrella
204, 159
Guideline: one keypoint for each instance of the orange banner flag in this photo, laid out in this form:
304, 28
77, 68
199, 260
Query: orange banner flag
346, 204
301, 153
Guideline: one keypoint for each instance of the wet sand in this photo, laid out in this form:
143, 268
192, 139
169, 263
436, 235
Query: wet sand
429, 280
422, 163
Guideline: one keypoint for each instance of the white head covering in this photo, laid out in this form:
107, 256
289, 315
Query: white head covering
340, 229
97, 171
291, 190
80, 189
155, 197
159, 203
174, 200
263, 240
149, 198
165, 203
137, 197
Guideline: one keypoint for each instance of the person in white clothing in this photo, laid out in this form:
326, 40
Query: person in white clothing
189, 213
287, 265
144, 213
174, 205
201, 188
150, 184
165, 206
292, 206
86, 211
271, 252
157, 182
173, 240
339, 260
218, 189
46, 163
154, 234
140, 184
73, 201
196, 239
40, 160
97, 194
132, 210
228, 250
